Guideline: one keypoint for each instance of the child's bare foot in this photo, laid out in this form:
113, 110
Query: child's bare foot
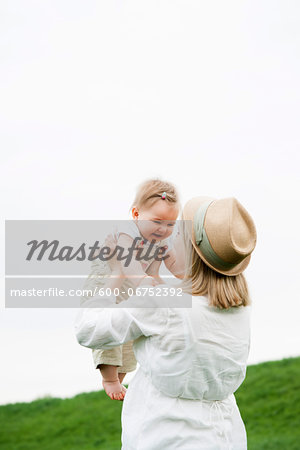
114, 389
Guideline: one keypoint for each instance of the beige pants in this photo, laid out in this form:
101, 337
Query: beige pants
122, 356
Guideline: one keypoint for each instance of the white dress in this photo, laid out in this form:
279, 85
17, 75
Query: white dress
191, 361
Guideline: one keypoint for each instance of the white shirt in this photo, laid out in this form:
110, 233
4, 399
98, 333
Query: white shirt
191, 361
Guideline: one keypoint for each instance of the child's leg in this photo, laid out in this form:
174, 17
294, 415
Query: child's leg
107, 361
111, 382
129, 361
121, 376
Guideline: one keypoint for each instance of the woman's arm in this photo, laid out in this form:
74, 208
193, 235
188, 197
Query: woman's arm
109, 327
134, 270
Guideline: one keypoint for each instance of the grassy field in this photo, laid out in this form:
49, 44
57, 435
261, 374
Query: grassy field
269, 401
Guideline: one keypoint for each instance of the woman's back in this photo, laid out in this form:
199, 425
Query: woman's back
197, 353
202, 353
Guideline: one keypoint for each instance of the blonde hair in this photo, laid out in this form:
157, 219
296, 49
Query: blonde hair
223, 291
150, 191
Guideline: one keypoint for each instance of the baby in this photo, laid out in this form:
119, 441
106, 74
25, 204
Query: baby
154, 213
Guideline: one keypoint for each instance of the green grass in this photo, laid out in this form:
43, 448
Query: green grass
269, 402
85, 422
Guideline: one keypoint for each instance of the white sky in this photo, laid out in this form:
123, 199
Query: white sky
97, 96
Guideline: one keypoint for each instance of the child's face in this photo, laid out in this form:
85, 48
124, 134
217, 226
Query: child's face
157, 222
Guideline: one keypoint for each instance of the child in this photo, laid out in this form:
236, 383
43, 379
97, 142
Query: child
154, 213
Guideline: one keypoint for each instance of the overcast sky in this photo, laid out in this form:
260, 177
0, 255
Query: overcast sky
97, 96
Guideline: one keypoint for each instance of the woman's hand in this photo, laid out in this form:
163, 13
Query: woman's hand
111, 243
147, 281
151, 279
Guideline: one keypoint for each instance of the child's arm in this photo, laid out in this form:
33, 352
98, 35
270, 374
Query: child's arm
175, 262
153, 271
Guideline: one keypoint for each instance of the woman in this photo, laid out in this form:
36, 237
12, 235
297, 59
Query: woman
191, 360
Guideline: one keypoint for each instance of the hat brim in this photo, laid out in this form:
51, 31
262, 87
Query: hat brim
188, 213
239, 268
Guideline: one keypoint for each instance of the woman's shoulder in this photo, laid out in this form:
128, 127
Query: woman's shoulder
204, 318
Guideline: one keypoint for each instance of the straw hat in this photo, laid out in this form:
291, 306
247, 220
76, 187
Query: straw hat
223, 233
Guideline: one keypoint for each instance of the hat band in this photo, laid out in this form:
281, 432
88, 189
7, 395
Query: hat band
203, 242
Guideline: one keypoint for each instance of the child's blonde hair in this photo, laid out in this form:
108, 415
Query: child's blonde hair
223, 291
150, 191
